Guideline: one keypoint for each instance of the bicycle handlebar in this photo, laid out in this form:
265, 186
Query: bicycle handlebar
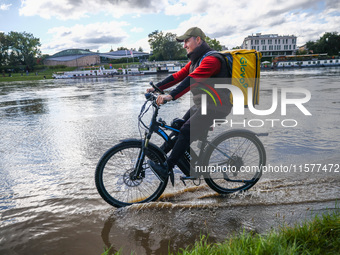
149, 95
156, 88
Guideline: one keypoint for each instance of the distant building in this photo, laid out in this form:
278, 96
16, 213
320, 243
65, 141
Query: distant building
79, 58
106, 57
271, 44
73, 58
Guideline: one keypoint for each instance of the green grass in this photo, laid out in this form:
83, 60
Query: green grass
49, 71
32, 75
319, 236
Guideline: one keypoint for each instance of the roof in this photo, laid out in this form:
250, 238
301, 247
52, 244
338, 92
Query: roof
67, 58
72, 54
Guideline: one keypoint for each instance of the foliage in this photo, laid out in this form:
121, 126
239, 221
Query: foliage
328, 43
19, 49
57, 67
321, 236
122, 48
213, 43
165, 46
301, 52
41, 72
4, 45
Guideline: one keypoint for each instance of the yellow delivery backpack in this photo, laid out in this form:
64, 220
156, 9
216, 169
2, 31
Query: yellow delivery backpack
244, 69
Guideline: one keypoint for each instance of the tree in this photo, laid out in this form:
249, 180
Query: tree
311, 46
165, 46
122, 48
24, 48
140, 49
3, 49
301, 52
328, 43
213, 43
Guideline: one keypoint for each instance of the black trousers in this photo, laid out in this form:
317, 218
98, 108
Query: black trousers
195, 127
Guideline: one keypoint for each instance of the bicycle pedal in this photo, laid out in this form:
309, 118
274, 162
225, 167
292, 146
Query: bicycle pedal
185, 178
182, 179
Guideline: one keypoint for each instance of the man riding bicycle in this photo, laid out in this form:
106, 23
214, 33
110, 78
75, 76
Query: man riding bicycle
204, 63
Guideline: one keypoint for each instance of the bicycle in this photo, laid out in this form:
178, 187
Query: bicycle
123, 176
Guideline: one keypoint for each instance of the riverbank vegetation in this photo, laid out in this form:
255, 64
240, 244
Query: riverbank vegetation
45, 72
328, 43
21, 58
319, 236
166, 47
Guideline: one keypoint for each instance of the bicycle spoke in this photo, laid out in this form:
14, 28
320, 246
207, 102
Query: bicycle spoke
235, 153
119, 186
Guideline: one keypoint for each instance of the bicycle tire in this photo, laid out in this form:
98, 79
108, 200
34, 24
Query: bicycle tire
247, 155
112, 175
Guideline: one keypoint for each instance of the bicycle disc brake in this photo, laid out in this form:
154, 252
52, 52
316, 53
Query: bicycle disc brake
131, 182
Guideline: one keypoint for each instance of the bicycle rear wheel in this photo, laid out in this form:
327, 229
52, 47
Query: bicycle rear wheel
113, 179
235, 161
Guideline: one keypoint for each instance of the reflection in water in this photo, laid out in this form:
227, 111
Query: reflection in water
53, 133
180, 218
23, 107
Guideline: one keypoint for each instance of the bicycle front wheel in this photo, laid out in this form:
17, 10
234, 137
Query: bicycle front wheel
114, 171
235, 161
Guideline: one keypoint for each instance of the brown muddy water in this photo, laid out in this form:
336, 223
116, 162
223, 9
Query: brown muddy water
54, 132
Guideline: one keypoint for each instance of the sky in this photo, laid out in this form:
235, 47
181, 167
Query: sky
100, 25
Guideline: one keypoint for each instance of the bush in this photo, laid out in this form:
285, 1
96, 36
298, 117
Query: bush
39, 67
57, 67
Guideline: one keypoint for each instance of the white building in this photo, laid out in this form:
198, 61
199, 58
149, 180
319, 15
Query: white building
271, 44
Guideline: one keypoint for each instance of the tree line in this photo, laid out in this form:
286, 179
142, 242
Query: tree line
328, 43
22, 50
164, 46
19, 50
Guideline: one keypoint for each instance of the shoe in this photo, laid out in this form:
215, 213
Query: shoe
162, 171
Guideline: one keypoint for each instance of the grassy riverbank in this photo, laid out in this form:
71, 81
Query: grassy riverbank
33, 76
48, 71
319, 236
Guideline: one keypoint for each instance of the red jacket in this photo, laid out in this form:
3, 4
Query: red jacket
210, 66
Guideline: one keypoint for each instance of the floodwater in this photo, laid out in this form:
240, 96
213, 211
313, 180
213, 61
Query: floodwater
53, 133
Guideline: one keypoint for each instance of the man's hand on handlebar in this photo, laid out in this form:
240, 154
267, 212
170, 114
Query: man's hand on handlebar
149, 90
162, 99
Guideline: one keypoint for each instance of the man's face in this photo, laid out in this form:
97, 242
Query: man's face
191, 44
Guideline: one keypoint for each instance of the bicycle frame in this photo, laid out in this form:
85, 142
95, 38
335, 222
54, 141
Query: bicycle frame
123, 175
153, 127
159, 127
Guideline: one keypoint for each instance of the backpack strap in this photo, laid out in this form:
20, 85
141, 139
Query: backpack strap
206, 55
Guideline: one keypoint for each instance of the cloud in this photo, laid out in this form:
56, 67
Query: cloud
228, 21
137, 30
94, 36
76, 9
102, 39
231, 21
5, 7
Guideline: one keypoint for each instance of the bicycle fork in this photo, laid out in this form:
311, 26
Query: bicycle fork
138, 172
